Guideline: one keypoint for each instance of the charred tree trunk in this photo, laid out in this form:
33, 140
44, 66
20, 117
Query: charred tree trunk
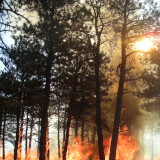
17, 133
66, 139
0, 126
82, 131
19, 107
4, 126
64, 127
98, 103
44, 116
0, 121
59, 154
82, 123
47, 142
69, 116
26, 137
20, 134
117, 117
39, 128
76, 127
31, 131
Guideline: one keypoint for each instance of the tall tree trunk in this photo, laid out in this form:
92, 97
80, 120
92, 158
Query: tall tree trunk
18, 118
44, 116
4, 126
0, 126
64, 127
69, 116
98, 105
82, 131
59, 154
0, 121
82, 124
26, 137
31, 131
117, 117
76, 127
21, 133
67, 138
47, 142
17, 133
30, 136
38, 146
93, 141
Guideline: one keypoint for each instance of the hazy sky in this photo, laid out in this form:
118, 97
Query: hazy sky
9, 41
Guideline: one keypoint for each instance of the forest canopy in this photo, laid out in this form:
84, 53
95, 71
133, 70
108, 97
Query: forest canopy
80, 79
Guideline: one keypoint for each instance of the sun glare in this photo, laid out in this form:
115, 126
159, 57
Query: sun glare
144, 45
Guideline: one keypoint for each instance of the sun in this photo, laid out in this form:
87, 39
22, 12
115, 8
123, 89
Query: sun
144, 45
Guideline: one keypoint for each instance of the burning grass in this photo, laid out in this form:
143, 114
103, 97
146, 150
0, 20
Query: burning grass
126, 149
32, 155
127, 146
78, 150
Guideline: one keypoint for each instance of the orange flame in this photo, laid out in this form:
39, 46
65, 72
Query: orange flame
32, 155
126, 148
78, 150
8, 156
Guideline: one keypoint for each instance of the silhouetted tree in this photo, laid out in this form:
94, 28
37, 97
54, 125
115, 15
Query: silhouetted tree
131, 27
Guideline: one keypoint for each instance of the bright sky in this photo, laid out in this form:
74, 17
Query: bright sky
7, 37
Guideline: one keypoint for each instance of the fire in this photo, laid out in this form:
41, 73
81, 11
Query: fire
79, 150
32, 155
126, 149
8, 156
127, 146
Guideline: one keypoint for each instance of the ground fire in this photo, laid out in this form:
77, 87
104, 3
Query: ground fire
78, 150
126, 150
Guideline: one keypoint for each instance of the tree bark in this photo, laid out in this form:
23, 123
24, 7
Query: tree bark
82, 131
98, 105
26, 137
4, 126
31, 131
64, 127
117, 117
66, 139
0, 126
44, 116
0, 121
17, 133
69, 116
20, 134
47, 142
59, 154
39, 128
76, 127
19, 107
